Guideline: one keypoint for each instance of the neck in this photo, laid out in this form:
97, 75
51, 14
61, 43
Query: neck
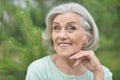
67, 66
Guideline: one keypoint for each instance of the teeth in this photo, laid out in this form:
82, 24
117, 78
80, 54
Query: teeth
64, 44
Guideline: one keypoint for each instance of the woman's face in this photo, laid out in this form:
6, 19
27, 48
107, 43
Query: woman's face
68, 36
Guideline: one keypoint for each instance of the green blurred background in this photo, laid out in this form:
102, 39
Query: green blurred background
21, 25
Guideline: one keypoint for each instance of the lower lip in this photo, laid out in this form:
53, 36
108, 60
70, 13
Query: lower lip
64, 47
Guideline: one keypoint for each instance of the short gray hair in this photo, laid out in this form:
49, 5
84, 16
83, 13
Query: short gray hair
88, 24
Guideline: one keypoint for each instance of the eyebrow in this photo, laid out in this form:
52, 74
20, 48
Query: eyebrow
55, 23
72, 22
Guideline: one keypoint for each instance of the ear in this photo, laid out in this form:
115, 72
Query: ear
86, 40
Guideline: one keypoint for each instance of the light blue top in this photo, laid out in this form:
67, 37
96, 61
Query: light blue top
45, 69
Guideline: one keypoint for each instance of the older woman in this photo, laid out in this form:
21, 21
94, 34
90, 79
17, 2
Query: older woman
72, 33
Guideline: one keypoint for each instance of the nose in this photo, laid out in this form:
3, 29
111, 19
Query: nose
63, 35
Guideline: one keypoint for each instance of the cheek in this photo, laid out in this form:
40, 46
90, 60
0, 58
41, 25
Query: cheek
53, 40
54, 37
80, 39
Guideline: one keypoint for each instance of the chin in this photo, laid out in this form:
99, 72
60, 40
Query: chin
65, 53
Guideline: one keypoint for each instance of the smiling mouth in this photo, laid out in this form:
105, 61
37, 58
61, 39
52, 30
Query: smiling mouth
64, 44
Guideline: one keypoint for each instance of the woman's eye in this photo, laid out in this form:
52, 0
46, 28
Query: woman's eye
56, 28
72, 28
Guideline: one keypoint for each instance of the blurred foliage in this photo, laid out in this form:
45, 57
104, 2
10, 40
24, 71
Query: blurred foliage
21, 25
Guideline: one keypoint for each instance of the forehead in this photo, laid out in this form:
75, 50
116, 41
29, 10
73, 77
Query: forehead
67, 17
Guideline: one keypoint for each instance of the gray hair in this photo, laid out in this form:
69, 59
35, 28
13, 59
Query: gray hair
88, 24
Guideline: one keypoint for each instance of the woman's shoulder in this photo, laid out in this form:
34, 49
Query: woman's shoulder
106, 69
39, 63
37, 69
107, 73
